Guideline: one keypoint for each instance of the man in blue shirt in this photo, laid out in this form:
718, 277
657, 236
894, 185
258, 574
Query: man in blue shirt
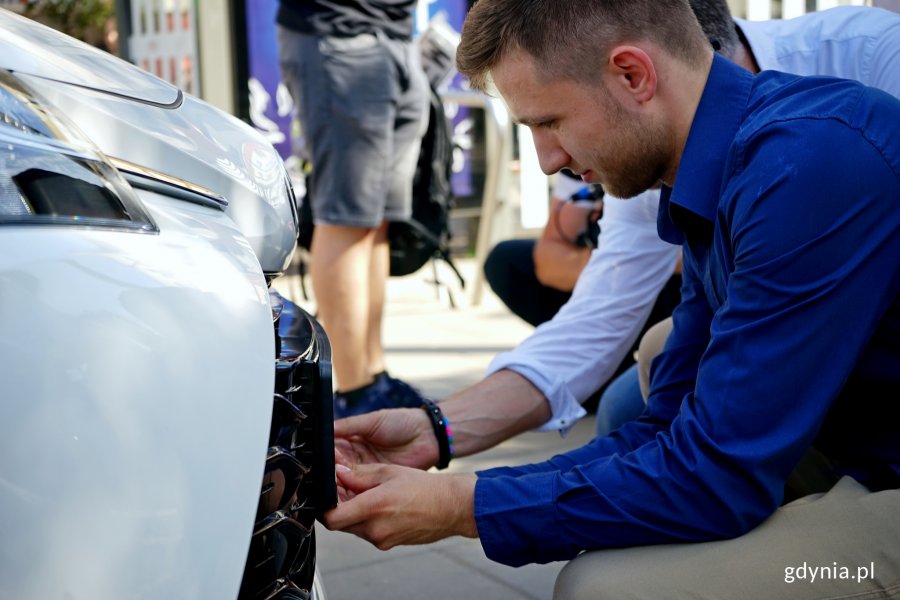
785, 194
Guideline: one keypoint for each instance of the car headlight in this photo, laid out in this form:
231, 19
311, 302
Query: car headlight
51, 174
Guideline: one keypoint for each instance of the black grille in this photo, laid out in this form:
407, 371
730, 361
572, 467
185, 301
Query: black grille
298, 483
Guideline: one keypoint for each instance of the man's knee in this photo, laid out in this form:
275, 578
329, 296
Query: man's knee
504, 264
651, 345
620, 574
577, 581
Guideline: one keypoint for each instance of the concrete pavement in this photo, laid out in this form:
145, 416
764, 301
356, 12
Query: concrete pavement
439, 350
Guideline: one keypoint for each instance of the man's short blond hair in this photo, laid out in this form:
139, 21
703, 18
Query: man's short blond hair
566, 36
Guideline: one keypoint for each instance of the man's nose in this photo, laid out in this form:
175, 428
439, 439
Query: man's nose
551, 155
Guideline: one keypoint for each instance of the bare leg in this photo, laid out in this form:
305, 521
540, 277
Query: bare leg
378, 274
340, 267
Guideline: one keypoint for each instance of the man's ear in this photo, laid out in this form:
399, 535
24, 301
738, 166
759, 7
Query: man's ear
632, 71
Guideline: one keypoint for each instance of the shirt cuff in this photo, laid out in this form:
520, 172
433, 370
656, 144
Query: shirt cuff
506, 518
565, 410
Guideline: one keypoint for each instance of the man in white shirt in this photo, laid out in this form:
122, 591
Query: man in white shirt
541, 383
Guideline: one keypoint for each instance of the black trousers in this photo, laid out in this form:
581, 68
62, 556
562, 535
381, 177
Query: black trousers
509, 269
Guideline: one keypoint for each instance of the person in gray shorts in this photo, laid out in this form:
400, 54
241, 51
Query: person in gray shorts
362, 99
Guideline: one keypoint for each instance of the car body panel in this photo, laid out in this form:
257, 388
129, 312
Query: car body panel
132, 447
165, 418
114, 102
203, 146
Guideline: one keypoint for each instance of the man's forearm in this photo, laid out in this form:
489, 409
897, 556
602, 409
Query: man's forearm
495, 409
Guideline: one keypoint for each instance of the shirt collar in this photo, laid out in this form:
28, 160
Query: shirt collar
701, 171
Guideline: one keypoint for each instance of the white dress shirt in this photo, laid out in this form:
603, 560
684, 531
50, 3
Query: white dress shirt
570, 356
853, 42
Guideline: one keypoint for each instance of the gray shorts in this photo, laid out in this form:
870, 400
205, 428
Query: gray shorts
362, 104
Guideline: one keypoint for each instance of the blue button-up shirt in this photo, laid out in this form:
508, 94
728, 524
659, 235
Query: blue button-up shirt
787, 202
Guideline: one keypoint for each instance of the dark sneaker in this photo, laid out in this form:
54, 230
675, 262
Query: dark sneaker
384, 392
403, 394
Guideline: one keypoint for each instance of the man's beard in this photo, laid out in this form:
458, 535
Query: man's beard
633, 154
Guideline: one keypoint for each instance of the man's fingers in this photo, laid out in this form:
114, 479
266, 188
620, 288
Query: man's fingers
346, 427
361, 477
357, 506
344, 494
357, 426
343, 453
346, 521
353, 511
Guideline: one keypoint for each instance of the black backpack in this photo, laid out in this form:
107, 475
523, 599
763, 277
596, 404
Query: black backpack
427, 234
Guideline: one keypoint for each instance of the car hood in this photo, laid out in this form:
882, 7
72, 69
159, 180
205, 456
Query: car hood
31, 48
138, 118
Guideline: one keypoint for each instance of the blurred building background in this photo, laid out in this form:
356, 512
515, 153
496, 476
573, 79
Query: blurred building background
224, 51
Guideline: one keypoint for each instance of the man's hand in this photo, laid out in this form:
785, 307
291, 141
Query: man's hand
390, 506
496, 408
558, 260
400, 436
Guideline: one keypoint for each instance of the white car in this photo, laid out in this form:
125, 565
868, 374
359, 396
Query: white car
149, 379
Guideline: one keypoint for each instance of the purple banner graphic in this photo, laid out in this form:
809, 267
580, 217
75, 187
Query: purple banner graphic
465, 135
270, 103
